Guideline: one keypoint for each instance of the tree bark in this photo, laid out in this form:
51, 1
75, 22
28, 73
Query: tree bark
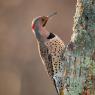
79, 55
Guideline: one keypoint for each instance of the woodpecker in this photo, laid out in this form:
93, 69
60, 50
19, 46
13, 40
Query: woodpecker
51, 49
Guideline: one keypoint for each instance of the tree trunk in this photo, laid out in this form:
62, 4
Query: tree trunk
79, 55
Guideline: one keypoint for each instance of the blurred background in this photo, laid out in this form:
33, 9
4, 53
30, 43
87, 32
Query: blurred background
21, 69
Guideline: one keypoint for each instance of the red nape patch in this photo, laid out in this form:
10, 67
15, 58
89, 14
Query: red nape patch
33, 26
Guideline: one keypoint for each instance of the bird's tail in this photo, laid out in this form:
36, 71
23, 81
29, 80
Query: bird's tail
58, 82
61, 92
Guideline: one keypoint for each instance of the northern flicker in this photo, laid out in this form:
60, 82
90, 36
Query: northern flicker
51, 49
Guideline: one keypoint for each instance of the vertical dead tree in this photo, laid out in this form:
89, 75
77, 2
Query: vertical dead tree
79, 55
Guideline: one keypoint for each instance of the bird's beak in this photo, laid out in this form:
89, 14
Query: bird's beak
52, 14
48, 17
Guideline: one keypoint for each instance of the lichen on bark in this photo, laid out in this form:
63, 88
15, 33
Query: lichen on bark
79, 55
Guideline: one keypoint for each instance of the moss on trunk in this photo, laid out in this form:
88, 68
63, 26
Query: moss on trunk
79, 55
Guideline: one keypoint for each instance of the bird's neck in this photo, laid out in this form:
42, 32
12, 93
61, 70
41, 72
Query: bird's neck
44, 32
41, 32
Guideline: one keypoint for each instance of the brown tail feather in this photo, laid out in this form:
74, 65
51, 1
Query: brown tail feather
61, 92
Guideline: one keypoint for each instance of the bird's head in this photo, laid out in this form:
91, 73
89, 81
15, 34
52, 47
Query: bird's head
39, 22
38, 25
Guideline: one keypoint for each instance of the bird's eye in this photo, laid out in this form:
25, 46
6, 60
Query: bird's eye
42, 19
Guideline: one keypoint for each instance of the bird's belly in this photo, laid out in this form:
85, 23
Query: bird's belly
56, 48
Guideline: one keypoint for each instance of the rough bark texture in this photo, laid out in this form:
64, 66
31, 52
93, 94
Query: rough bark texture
79, 55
